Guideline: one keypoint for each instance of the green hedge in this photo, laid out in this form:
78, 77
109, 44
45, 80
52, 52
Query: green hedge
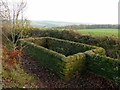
105, 66
38, 41
66, 58
110, 44
68, 47
66, 61
48, 58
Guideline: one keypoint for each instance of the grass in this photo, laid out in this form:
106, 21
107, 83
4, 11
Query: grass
99, 32
17, 78
13, 74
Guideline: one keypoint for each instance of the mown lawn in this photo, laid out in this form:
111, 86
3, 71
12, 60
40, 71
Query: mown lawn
99, 32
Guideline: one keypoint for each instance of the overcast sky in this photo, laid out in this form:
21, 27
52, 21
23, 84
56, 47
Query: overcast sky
84, 11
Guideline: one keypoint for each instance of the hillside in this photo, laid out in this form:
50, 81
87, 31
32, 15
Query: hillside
51, 24
71, 25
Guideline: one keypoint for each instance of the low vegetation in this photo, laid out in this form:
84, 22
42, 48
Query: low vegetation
73, 59
14, 76
99, 32
62, 60
110, 44
13, 25
90, 26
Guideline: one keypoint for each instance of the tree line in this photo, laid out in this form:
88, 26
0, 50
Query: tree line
93, 26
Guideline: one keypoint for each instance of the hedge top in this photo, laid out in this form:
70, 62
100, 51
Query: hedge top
62, 47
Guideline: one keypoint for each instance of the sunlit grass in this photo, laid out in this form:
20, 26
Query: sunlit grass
17, 78
99, 32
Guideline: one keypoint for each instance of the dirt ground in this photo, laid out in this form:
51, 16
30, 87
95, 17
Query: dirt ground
47, 79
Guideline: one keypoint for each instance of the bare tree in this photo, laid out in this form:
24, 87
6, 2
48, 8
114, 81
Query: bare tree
13, 20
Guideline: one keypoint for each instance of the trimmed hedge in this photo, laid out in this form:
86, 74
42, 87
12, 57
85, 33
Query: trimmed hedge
65, 58
105, 66
110, 44
69, 48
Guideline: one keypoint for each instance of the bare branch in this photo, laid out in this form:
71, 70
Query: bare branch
12, 14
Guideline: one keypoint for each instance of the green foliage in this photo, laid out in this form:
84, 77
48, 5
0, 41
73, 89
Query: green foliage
48, 58
110, 44
67, 47
17, 78
104, 66
93, 26
67, 58
63, 57
99, 32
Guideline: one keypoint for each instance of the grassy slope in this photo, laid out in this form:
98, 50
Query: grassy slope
50, 24
99, 32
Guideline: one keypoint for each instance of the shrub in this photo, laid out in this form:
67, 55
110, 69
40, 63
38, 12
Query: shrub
110, 44
63, 57
11, 58
105, 66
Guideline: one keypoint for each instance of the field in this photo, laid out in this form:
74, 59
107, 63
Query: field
99, 32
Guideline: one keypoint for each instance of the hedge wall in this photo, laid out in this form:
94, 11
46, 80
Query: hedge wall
105, 66
66, 58
110, 44
67, 47
48, 58
54, 59
38, 41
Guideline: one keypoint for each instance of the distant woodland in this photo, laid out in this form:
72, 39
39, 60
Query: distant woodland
93, 26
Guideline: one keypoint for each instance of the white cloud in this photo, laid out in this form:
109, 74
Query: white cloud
89, 11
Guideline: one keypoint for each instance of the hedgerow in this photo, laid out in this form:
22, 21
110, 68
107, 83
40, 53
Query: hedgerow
67, 58
105, 66
63, 57
110, 44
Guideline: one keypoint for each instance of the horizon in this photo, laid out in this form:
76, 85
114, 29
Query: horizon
79, 23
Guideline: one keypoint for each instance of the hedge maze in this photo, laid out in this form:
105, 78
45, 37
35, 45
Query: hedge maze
67, 58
